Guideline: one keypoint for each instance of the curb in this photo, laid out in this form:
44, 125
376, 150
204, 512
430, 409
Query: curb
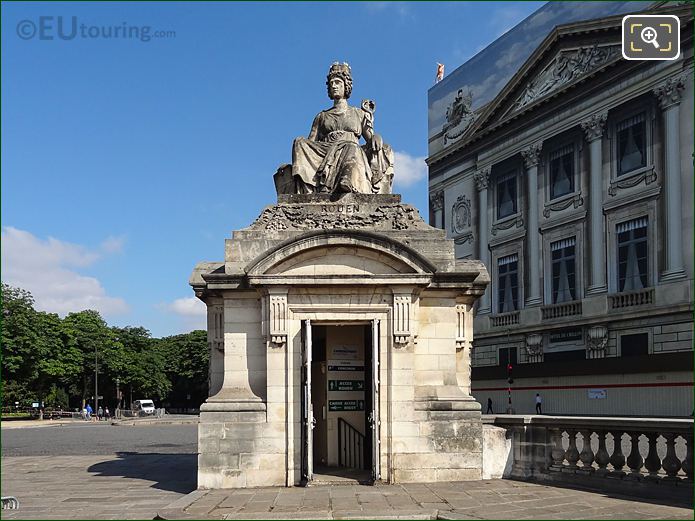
176, 510
8, 425
155, 422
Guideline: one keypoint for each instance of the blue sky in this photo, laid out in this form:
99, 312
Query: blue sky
125, 162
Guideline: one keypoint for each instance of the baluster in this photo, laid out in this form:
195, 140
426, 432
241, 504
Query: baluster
586, 455
557, 453
671, 462
572, 454
634, 460
602, 457
653, 462
687, 464
617, 458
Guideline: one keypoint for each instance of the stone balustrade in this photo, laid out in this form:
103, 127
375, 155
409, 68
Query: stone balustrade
650, 451
631, 298
504, 319
564, 309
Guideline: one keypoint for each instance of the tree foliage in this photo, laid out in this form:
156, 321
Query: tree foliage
46, 358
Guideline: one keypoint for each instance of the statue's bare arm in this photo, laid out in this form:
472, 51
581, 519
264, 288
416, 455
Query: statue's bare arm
372, 138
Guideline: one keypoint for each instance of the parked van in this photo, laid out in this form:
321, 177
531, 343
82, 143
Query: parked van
144, 406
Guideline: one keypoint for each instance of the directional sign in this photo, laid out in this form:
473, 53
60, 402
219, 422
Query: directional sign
346, 385
346, 405
346, 368
346, 365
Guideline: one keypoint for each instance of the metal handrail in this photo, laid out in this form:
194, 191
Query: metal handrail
350, 446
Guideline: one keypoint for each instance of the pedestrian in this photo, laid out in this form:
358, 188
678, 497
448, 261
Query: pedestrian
89, 412
107, 414
100, 413
489, 406
539, 400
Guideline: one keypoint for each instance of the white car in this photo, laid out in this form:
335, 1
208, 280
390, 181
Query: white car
146, 406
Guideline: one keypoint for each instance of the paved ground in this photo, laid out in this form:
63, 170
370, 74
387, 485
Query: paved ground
88, 471
490, 499
99, 438
99, 471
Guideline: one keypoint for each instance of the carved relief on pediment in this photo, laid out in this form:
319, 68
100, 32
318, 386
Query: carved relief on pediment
566, 67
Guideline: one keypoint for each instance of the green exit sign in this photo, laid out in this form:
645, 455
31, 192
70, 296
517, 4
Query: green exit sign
346, 385
346, 405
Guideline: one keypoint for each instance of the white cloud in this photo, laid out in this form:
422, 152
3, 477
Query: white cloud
113, 244
46, 268
401, 8
188, 307
408, 169
502, 20
191, 310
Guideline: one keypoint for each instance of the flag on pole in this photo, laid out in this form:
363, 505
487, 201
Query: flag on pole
440, 72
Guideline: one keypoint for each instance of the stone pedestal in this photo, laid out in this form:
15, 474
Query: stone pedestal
312, 260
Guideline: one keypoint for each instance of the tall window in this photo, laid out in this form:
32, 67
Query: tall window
562, 171
508, 283
506, 194
632, 138
632, 254
564, 279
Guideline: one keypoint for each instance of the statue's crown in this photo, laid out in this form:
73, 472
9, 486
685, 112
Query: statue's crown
338, 68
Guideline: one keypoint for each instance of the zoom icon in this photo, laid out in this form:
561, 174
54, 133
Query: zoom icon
651, 37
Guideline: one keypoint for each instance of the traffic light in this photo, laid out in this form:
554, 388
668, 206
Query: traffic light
509, 374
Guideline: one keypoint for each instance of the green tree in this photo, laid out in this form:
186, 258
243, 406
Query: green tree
57, 397
139, 362
188, 360
86, 333
19, 339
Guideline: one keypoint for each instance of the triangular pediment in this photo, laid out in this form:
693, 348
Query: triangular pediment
569, 55
568, 66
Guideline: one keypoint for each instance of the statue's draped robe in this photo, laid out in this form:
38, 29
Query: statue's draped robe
336, 156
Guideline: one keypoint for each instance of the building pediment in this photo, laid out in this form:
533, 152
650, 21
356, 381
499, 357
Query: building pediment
567, 67
568, 56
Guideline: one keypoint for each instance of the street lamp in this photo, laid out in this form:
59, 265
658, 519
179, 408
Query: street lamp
118, 393
96, 381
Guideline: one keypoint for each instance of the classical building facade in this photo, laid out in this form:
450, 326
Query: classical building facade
574, 185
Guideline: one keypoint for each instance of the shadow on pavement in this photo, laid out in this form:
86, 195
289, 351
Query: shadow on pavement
173, 472
663, 495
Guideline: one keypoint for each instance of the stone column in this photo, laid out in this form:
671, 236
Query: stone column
593, 129
669, 95
531, 157
437, 209
482, 179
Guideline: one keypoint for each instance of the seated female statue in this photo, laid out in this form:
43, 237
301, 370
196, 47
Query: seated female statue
330, 159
